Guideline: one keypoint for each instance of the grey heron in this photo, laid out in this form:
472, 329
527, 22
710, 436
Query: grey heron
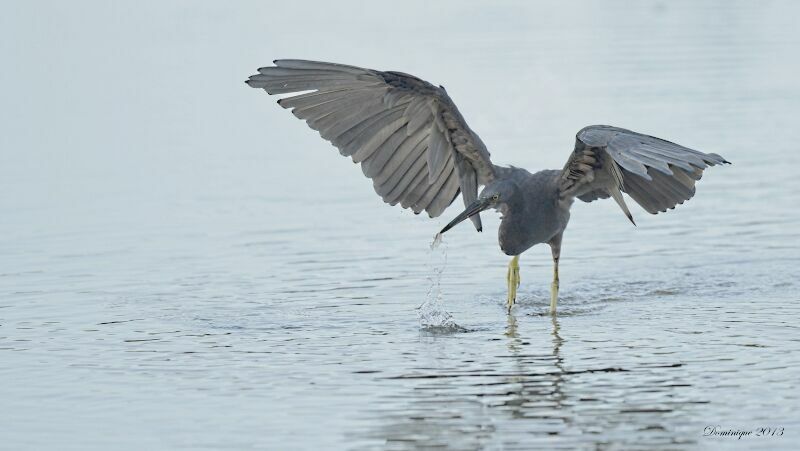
414, 144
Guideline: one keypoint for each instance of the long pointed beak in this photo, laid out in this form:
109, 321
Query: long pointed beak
471, 210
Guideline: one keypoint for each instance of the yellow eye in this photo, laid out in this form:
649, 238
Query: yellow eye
495, 197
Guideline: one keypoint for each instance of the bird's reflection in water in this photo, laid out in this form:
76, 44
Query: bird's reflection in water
456, 408
538, 382
462, 401
554, 399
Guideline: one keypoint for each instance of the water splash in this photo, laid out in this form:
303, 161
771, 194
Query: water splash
432, 315
437, 240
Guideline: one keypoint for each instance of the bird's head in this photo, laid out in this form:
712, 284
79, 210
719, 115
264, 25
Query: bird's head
494, 195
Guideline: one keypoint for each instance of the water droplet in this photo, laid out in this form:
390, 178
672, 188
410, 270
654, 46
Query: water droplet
437, 240
432, 314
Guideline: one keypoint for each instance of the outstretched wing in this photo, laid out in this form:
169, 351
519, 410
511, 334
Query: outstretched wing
657, 174
407, 134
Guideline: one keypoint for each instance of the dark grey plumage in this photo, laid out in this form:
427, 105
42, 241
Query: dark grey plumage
412, 141
657, 174
528, 220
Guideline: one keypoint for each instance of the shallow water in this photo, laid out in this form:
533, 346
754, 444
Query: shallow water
184, 265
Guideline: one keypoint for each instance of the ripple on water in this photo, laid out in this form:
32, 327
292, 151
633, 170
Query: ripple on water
245, 321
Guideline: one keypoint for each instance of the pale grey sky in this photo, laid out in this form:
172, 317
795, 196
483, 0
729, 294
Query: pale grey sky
146, 99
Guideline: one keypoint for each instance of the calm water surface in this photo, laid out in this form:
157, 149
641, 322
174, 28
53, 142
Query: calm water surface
185, 265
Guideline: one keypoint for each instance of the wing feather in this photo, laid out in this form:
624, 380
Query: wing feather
399, 127
438, 151
399, 161
637, 189
422, 194
353, 138
336, 124
412, 162
441, 201
413, 190
656, 173
406, 182
314, 98
316, 65
374, 138
373, 165
419, 116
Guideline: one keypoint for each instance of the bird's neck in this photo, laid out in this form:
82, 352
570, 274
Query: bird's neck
512, 206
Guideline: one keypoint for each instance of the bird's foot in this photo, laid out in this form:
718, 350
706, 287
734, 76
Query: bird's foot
512, 290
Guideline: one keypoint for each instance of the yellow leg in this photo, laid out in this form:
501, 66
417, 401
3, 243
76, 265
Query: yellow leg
513, 281
554, 287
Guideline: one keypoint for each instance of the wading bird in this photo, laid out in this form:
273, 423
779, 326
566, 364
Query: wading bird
419, 152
